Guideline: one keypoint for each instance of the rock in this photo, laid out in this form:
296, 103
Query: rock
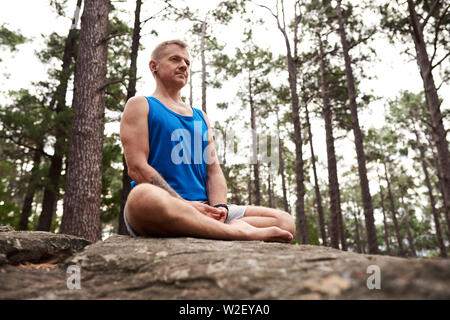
24, 246
188, 268
6, 229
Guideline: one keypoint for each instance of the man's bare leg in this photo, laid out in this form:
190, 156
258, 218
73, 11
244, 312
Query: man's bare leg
152, 211
262, 217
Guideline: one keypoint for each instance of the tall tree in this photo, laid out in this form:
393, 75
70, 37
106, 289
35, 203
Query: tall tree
382, 146
365, 191
385, 224
222, 13
58, 104
427, 24
316, 182
81, 215
291, 61
426, 66
131, 92
409, 113
24, 127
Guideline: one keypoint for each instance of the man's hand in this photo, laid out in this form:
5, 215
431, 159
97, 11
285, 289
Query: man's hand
219, 214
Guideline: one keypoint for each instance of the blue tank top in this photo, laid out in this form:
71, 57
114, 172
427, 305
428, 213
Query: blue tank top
177, 149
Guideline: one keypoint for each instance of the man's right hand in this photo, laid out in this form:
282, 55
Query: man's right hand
219, 214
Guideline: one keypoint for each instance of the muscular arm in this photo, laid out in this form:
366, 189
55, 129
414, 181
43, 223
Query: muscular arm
134, 137
216, 185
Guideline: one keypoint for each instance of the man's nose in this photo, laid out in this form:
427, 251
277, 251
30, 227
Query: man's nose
183, 65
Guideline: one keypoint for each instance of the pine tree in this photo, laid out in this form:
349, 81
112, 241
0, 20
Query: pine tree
83, 187
367, 200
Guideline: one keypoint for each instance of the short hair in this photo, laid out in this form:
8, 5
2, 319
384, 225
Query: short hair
158, 51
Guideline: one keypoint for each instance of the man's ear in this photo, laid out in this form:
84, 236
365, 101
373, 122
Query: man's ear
152, 65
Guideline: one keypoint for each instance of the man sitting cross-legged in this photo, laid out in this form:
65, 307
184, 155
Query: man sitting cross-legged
180, 189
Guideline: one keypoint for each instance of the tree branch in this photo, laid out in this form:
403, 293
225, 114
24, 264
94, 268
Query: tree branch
436, 33
433, 8
22, 144
370, 35
440, 61
110, 83
155, 15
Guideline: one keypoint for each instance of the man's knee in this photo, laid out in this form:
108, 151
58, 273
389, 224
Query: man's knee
145, 196
145, 202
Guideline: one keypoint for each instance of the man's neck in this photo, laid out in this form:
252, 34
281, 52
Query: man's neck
163, 93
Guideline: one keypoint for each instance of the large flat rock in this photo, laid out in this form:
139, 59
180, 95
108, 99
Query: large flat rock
189, 268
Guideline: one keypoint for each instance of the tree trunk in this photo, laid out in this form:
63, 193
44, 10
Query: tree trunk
203, 59
254, 147
358, 239
31, 190
441, 182
334, 194
51, 189
386, 229
434, 210
394, 213
84, 173
269, 187
281, 168
249, 185
131, 92
432, 98
365, 191
302, 228
412, 249
316, 183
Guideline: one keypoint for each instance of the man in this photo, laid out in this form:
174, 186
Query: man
179, 192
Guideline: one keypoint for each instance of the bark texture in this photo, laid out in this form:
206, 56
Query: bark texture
84, 175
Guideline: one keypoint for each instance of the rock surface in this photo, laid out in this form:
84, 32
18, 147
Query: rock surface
188, 268
24, 246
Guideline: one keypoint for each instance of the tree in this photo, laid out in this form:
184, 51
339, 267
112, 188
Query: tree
223, 14
83, 187
367, 200
25, 124
291, 61
427, 24
60, 129
408, 112
131, 92
382, 146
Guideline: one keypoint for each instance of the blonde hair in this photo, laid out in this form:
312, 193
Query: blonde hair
158, 51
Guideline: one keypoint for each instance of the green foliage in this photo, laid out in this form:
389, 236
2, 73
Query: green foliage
9, 210
111, 180
10, 39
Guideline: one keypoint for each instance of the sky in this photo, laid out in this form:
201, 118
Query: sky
35, 18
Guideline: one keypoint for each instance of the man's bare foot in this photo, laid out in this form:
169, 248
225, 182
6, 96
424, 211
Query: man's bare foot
271, 234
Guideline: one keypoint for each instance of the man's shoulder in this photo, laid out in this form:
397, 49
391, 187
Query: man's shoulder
137, 100
136, 104
204, 115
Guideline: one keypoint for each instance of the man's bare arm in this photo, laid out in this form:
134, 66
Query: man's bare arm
216, 185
